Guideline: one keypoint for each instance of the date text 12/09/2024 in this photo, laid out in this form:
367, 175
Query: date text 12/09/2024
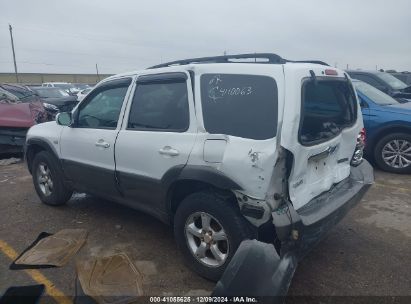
198, 299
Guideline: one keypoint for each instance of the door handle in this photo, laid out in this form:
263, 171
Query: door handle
103, 144
167, 150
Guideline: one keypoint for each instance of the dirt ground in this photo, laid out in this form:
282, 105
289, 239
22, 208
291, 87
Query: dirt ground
367, 254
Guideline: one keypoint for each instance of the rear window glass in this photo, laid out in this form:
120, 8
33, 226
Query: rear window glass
240, 105
374, 94
328, 107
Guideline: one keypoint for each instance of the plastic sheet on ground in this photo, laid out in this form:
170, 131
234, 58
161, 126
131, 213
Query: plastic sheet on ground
110, 278
54, 250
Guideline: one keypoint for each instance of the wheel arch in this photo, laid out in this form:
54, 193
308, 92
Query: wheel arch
222, 186
384, 131
191, 179
34, 146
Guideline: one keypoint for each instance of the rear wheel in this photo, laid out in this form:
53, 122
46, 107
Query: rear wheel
48, 180
208, 229
393, 153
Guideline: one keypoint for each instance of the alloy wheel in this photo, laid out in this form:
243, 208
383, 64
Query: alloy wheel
44, 179
397, 153
207, 239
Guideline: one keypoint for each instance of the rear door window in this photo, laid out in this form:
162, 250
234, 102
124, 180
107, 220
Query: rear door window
240, 105
328, 106
160, 106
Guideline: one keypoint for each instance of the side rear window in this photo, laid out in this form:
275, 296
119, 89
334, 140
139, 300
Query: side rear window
328, 106
240, 105
160, 106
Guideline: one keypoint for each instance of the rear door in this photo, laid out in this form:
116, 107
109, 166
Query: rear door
320, 127
156, 138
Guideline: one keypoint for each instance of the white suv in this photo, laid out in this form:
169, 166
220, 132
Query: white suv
223, 148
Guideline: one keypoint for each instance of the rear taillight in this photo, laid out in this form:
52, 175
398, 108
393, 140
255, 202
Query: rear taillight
359, 149
331, 72
363, 136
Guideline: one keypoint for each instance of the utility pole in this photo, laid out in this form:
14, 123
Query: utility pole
14, 54
98, 76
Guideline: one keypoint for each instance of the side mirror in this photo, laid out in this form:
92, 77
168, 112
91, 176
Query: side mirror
64, 119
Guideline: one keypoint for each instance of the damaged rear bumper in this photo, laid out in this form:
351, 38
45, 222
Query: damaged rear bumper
257, 270
300, 230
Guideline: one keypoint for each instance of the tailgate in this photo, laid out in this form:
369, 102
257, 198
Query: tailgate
320, 127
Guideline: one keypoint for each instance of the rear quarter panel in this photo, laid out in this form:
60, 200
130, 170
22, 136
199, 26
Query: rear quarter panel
250, 163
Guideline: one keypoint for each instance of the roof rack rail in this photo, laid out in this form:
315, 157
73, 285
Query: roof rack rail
271, 58
310, 61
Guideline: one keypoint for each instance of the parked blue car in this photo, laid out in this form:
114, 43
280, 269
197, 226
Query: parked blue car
388, 128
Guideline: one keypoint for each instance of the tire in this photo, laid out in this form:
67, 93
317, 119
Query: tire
48, 180
194, 210
389, 146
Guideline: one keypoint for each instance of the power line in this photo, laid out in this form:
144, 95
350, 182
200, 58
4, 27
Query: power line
111, 40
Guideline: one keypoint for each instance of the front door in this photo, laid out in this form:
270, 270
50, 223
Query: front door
87, 147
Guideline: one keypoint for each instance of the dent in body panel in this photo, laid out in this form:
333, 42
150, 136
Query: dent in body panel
258, 166
275, 190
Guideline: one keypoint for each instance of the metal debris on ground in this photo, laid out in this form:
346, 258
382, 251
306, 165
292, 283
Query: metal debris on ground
54, 250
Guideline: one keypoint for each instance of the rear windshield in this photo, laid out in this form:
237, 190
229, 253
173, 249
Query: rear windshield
21, 93
240, 105
374, 94
328, 106
394, 82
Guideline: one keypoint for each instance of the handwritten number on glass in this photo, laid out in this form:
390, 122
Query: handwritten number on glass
217, 91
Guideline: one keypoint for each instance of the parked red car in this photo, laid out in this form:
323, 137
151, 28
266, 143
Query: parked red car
20, 109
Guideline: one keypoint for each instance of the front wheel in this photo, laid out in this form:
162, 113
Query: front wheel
48, 180
393, 153
208, 230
